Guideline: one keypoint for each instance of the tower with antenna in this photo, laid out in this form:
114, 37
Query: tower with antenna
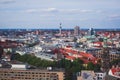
60, 29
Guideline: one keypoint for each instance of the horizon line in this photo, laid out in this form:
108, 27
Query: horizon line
62, 28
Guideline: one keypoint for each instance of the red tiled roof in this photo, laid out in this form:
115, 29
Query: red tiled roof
86, 57
70, 57
114, 70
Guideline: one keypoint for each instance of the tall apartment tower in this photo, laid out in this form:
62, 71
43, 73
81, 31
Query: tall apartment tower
105, 59
76, 31
1, 51
60, 29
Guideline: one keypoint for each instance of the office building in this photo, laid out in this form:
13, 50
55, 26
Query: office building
33, 74
91, 31
76, 31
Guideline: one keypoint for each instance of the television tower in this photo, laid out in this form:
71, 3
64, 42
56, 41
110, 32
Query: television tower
60, 29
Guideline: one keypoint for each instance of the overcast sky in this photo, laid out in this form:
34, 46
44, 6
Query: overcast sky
50, 13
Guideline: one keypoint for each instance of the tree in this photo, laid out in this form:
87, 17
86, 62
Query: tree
9, 53
78, 60
101, 39
90, 66
77, 65
97, 67
17, 56
115, 62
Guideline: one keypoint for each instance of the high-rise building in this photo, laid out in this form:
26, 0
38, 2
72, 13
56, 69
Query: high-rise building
1, 51
105, 59
76, 31
91, 31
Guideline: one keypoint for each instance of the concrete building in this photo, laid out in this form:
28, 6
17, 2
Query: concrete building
76, 31
33, 74
15, 70
90, 75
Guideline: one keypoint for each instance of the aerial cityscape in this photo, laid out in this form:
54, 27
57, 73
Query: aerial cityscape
59, 40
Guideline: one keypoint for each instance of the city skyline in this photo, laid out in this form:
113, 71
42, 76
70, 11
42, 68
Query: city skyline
49, 13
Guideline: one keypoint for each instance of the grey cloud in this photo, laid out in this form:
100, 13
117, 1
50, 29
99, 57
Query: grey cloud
51, 10
114, 16
86, 11
78, 11
62, 11
31, 10
47, 10
7, 1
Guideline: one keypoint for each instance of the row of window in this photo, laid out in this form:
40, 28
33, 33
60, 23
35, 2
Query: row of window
21, 78
27, 75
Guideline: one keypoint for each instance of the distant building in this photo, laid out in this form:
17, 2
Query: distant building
91, 31
76, 31
60, 29
113, 55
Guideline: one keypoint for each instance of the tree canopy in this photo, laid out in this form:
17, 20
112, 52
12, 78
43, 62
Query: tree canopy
69, 66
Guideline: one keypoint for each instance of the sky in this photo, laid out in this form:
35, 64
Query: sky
48, 14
